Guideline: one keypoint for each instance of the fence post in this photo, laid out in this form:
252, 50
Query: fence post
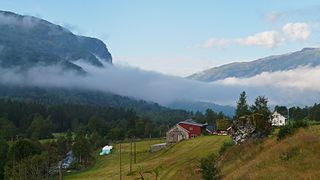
131, 155
120, 163
60, 171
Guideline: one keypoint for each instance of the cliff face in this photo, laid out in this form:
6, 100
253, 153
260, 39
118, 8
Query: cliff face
26, 41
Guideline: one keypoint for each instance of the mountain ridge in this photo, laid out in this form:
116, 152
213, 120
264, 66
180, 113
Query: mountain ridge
201, 106
288, 61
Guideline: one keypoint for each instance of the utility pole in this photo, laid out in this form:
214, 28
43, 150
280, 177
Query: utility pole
60, 171
288, 114
134, 149
150, 142
120, 163
131, 156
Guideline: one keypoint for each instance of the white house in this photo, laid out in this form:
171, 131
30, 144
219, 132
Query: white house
278, 120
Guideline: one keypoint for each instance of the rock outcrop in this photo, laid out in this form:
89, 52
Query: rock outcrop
249, 128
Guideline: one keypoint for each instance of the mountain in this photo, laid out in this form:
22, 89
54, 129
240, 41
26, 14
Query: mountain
27, 41
195, 106
305, 57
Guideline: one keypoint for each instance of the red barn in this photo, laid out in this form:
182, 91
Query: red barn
185, 130
194, 129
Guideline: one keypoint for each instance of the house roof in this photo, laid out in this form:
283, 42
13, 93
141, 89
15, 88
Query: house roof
191, 122
276, 113
210, 128
179, 127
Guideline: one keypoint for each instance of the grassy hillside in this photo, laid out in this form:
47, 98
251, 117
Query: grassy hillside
295, 157
181, 161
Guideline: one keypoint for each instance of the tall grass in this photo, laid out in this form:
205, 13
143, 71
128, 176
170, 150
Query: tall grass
294, 157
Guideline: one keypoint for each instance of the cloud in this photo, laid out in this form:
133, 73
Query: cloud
168, 64
122, 80
295, 78
273, 16
269, 39
306, 13
290, 32
296, 31
17, 20
297, 86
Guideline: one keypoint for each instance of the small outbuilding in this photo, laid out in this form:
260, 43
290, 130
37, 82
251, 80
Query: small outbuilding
158, 147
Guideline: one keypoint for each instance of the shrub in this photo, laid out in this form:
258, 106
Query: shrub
209, 168
286, 130
290, 128
301, 123
205, 133
225, 146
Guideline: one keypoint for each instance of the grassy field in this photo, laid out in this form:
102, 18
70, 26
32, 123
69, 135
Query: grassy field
295, 157
181, 161
55, 137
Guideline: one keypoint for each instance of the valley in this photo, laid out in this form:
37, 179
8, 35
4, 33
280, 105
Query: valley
166, 90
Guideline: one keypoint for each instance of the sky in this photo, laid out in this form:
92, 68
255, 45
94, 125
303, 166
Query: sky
181, 37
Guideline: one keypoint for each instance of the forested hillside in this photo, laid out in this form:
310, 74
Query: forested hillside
58, 96
25, 118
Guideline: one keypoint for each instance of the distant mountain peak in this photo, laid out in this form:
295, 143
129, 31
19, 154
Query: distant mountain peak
27, 41
308, 49
305, 57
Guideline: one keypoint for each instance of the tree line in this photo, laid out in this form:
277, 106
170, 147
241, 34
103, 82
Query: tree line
37, 121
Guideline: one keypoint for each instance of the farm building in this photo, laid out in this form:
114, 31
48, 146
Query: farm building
277, 119
185, 130
158, 147
177, 133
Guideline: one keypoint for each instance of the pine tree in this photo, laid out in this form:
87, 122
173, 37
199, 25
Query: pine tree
261, 114
3, 156
261, 106
210, 116
242, 106
82, 149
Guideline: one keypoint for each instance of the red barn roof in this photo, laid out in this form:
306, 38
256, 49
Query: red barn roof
194, 129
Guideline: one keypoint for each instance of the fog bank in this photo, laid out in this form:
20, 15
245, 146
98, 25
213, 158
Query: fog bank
294, 87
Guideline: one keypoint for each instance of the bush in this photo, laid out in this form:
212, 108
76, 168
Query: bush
290, 128
225, 146
301, 123
286, 130
209, 168
205, 133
